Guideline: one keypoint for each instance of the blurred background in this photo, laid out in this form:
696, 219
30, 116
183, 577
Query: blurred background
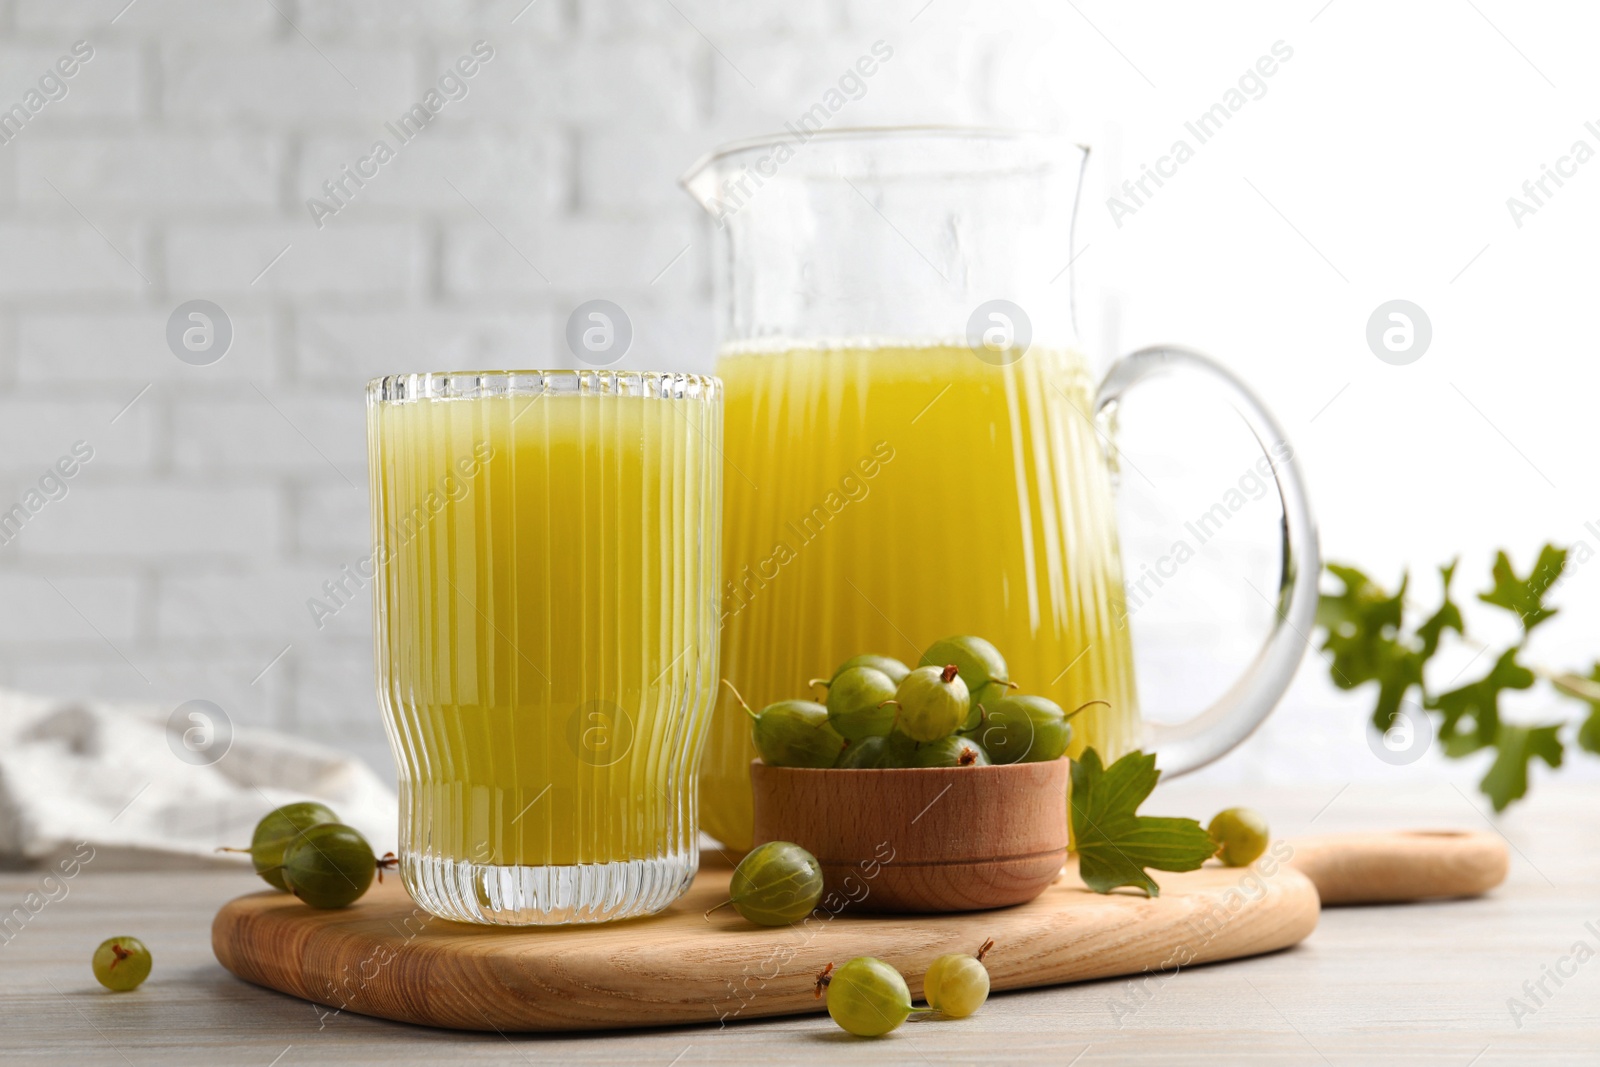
177, 161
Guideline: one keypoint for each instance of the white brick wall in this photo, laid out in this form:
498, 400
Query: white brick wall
110, 85
177, 167
118, 352
69, 259
152, 170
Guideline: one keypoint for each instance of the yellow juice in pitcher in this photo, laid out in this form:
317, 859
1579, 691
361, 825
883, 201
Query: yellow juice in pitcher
880, 497
546, 636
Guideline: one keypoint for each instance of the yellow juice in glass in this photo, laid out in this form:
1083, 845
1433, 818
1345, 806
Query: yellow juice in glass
546, 638
880, 497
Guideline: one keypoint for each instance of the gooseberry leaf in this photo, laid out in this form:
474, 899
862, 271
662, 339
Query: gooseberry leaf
1524, 597
1363, 624
1116, 844
1588, 691
1448, 617
1589, 733
1365, 641
1471, 714
1507, 779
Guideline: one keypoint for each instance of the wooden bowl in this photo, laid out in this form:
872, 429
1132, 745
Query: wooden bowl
922, 840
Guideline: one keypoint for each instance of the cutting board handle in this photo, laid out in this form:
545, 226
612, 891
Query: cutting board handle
1385, 868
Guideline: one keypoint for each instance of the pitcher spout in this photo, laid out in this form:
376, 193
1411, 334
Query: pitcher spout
725, 179
701, 180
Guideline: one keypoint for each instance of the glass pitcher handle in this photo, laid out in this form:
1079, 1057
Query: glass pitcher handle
1186, 746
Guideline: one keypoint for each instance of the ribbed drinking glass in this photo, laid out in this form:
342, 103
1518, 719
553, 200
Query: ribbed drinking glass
546, 549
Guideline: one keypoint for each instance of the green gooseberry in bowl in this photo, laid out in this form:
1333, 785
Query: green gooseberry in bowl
977, 661
865, 754
860, 703
796, 733
899, 752
793, 733
984, 697
952, 751
887, 664
1024, 729
932, 703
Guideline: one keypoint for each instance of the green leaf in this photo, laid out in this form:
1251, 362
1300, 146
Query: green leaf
1448, 617
1362, 602
1472, 713
1507, 779
1524, 597
1365, 642
1115, 844
1588, 691
1392, 690
1362, 624
1589, 733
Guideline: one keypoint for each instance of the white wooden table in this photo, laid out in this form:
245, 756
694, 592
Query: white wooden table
1379, 985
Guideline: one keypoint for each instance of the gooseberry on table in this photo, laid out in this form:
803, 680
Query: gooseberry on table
866, 996
121, 963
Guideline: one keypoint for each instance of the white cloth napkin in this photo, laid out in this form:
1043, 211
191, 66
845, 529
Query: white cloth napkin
136, 782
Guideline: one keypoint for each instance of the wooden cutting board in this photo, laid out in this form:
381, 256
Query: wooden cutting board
384, 956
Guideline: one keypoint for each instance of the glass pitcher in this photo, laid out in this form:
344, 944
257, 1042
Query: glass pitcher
914, 447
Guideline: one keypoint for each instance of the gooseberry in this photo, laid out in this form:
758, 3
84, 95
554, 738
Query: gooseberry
866, 996
859, 703
793, 733
776, 884
1241, 835
330, 865
952, 751
121, 963
957, 984
278, 829
977, 660
887, 664
932, 702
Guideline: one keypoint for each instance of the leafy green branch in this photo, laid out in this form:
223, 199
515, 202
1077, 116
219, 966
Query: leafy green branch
1367, 637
